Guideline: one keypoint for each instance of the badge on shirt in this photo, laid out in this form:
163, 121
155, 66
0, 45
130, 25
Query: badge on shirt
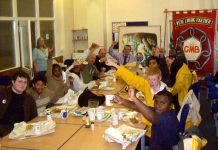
3, 101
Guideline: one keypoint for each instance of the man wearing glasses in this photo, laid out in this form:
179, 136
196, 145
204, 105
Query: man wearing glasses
15, 104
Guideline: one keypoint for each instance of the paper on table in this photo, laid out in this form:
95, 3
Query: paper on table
70, 98
23, 130
124, 135
103, 84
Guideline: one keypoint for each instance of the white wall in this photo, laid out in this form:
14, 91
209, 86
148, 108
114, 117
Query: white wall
97, 15
64, 12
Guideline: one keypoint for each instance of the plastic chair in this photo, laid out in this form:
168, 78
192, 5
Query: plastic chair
184, 114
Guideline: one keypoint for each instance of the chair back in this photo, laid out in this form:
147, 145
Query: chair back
183, 117
5, 80
68, 62
196, 88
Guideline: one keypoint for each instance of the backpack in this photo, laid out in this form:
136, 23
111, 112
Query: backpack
191, 139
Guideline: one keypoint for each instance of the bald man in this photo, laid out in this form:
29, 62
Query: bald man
100, 60
90, 72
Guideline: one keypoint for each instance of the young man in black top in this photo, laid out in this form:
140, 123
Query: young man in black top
15, 104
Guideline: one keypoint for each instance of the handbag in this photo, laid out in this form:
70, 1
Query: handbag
88, 95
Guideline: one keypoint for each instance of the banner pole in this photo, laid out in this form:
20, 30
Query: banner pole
165, 28
170, 11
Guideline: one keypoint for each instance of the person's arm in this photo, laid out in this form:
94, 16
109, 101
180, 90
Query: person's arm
35, 65
69, 68
115, 55
109, 62
146, 111
127, 103
49, 68
89, 51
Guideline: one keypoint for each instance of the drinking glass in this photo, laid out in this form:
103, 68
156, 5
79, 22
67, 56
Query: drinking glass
93, 103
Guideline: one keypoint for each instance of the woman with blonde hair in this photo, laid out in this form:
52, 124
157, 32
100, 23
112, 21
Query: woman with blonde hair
40, 56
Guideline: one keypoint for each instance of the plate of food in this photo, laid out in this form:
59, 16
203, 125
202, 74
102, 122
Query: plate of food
81, 111
107, 88
105, 117
134, 120
140, 96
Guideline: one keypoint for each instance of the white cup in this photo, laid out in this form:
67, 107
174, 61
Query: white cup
99, 114
108, 100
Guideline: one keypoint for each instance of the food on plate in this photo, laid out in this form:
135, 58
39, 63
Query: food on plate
134, 120
141, 98
29, 127
56, 110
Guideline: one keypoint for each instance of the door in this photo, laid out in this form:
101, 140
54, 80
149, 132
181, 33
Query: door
26, 38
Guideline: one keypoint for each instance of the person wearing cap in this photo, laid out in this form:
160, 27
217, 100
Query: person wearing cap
124, 57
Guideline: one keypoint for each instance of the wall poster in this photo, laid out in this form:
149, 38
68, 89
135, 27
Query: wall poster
141, 39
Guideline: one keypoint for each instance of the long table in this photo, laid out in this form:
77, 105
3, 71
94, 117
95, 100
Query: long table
71, 133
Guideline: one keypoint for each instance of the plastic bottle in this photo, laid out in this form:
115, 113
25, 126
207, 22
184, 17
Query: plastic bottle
87, 122
115, 119
92, 126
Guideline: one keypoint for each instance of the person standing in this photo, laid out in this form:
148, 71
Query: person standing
15, 104
124, 57
40, 56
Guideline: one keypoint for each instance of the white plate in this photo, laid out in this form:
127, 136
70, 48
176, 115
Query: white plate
134, 121
106, 117
81, 111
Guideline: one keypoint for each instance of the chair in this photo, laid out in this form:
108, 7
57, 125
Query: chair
215, 116
213, 96
68, 62
183, 117
196, 88
212, 90
5, 80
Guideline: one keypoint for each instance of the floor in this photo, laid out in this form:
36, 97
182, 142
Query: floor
207, 126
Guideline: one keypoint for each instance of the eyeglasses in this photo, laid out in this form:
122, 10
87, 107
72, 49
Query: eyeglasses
21, 81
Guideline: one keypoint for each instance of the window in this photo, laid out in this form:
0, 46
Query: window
46, 8
7, 56
47, 31
26, 8
20, 21
6, 8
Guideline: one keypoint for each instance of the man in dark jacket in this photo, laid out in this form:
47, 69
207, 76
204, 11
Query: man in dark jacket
100, 61
15, 104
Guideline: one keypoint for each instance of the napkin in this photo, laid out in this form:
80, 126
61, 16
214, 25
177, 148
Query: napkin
103, 84
23, 130
124, 135
69, 98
